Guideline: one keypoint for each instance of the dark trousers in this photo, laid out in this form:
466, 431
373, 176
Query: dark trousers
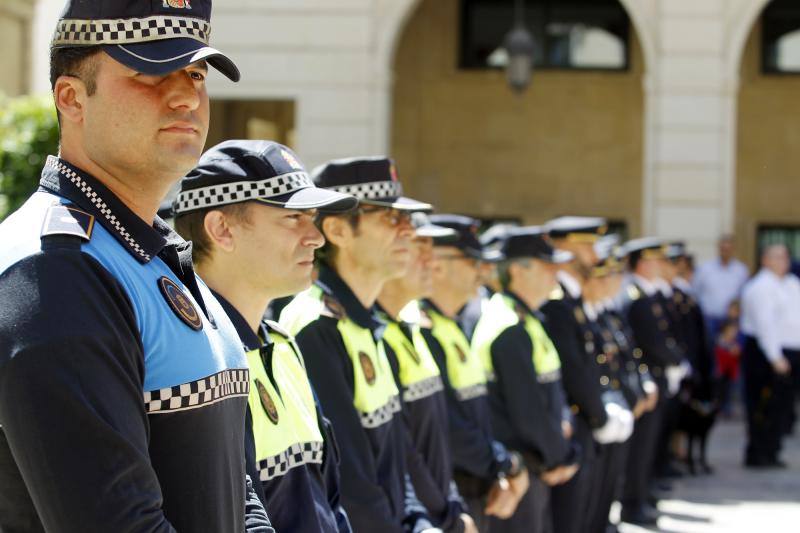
641, 454
532, 514
669, 424
793, 391
568, 500
606, 483
767, 396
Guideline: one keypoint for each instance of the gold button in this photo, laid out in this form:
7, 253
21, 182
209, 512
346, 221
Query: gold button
615, 384
601, 359
642, 369
574, 409
637, 353
603, 380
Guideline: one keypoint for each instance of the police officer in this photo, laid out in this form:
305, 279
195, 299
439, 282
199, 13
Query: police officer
650, 325
525, 391
571, 332
424, 405
119, 371
251, 245
490, 478
340, 333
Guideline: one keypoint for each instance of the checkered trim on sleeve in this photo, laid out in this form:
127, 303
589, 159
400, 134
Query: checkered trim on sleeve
380, 416
471, 392
78, 32
422, 389
223, 385
295, 455
99, 203
375, 190
230, 193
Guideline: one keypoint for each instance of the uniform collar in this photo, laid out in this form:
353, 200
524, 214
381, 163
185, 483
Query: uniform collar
647, 286
570, 284
250, 341
142, 241
331, 283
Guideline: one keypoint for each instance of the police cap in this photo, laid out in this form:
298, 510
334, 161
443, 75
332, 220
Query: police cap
532, 242
425, 228
373, 180
264, 171
577, 229
466, 239
153, 37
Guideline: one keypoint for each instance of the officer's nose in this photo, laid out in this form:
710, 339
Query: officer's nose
183, 91
313, 237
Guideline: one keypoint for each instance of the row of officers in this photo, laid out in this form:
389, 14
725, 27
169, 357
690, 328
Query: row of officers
431, 378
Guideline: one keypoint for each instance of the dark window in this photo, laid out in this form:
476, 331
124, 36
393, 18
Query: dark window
568, 34
769, 234
780, 37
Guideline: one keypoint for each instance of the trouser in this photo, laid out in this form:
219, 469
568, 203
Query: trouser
606, 481
641, 454
669, 423
793, 391
568, 500
532, 514
766, 394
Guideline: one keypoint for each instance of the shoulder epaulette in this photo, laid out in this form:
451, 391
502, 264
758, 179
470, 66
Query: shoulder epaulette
332, 308
556, 294
67, 220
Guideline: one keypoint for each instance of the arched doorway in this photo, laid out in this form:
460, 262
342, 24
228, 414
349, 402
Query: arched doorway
768, 133
571, 144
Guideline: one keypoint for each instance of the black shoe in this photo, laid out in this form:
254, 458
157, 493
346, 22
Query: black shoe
642, 516
669, 471
764, 464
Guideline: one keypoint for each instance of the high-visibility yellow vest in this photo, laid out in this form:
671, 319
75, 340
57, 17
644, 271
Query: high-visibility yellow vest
501, 313
464, 369
285, 423
375, 394
419, 375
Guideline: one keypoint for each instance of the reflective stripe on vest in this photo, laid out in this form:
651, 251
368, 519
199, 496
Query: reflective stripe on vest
464, 368
285, 425
501, 313
419, 375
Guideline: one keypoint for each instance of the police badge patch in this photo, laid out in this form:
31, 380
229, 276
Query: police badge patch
267, 403
178, 4
180, 303
460, 351
367, 368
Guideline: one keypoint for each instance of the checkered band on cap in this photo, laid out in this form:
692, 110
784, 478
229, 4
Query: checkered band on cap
295, 455
381, 415
374, 190
223, 385
78, 32
231, 193
471, 392
422, 389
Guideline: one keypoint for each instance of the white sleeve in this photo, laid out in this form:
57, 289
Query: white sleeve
762, 312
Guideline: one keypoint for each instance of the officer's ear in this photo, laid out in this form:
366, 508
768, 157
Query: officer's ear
70, 94
218, 230
337, 230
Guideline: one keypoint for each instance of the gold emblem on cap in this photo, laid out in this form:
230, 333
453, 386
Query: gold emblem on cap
292, 160
178, 4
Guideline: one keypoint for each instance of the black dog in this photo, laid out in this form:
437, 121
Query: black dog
698, 412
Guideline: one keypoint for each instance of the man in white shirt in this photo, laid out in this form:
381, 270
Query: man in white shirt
717, 283
771, 325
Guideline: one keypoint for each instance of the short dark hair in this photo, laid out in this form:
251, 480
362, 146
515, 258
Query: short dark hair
191, 227
78, 61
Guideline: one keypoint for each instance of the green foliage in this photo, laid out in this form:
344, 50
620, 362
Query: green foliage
28, 134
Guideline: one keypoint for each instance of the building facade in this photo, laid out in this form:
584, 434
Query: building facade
691, 139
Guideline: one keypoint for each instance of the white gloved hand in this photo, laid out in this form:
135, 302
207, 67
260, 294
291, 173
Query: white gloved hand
610, 430
686, 367
674, 375
626, 421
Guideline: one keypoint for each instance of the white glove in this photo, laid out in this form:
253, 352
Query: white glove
609, 432
686, 367
674, 375
626, 425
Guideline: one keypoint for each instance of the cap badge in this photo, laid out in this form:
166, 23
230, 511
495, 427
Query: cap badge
292, 160
180, 303
178, 4
267, 403
367, 368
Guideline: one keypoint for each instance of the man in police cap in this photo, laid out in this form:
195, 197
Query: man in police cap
340, 333
254, 243
430, 464
524, 371
119, 371
594, 419
491, 478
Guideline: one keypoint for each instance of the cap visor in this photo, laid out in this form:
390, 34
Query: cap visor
436, 232
401, 202
314, 198
159, 58
559, 257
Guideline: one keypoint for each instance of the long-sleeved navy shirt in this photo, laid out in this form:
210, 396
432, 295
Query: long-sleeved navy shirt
306, 496
376, 491
122, 383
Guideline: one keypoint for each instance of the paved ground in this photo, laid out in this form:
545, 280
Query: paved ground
733, 499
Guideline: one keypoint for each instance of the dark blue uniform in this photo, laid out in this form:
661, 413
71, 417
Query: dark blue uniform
122, 382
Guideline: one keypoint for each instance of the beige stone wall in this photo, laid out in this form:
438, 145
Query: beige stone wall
768, 154
15, 44
571, 144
